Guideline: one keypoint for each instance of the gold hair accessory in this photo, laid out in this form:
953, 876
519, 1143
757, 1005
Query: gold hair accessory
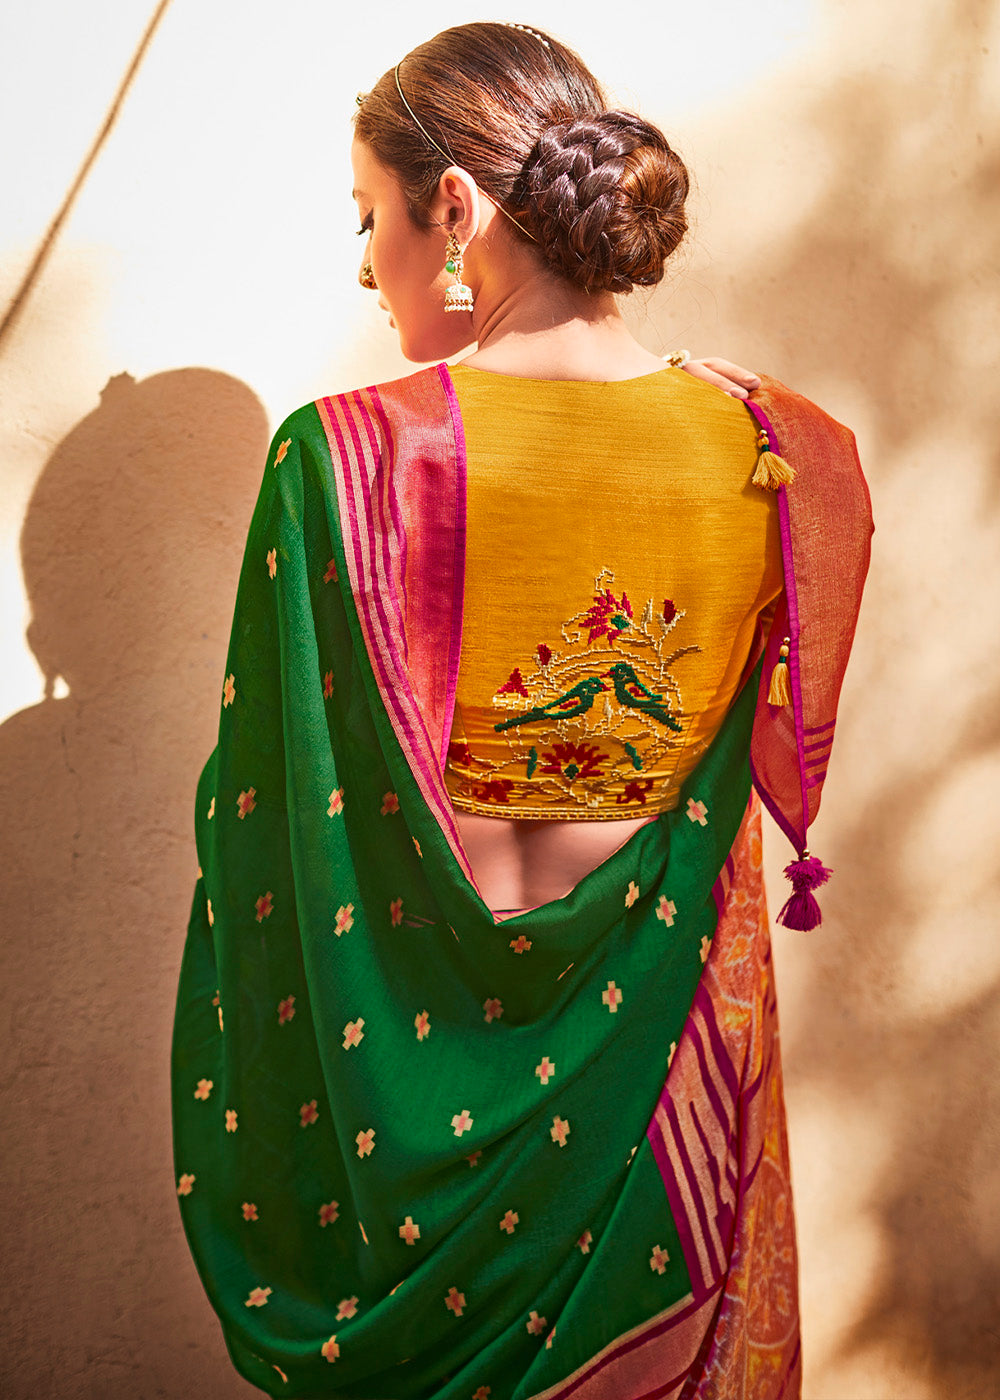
677, 359
459, 297
367, 278
451, 159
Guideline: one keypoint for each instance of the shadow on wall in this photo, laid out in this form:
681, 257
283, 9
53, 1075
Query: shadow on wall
131, 550
890, 275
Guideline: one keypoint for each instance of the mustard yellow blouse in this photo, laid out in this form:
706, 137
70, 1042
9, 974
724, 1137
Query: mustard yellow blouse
617, 560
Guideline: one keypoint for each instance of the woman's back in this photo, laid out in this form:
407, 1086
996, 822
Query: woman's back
618, 560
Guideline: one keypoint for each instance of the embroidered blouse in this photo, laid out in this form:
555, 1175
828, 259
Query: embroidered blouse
617, 562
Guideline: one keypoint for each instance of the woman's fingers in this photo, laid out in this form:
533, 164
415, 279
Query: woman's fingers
724, 375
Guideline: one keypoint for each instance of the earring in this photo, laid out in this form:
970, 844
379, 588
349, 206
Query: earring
459, 297
367, 278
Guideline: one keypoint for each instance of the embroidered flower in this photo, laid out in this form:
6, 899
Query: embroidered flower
286, 1010
572, 761
635, 792
608, 616
231, 1120
669, 611
459, 754
249, 1211
495, 790
544, 654
514, 684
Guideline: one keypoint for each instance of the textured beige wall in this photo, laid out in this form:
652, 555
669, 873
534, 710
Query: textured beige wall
848, 163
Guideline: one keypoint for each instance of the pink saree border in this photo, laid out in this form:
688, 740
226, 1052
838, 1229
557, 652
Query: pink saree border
361, 456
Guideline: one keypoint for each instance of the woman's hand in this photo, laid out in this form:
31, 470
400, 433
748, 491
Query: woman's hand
730, 378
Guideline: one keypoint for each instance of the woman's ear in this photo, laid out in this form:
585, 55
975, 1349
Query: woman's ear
456, 204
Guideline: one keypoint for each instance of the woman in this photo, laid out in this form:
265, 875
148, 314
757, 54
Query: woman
474, 1097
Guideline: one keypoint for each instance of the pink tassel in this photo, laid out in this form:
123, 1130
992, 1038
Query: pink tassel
806, 875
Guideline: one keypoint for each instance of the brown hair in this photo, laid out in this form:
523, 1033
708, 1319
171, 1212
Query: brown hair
601, 192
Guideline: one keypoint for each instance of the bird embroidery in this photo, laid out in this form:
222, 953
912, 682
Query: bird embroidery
630, 692
576, 701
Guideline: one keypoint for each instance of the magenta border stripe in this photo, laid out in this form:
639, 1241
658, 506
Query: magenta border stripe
458, 571
655, 1330
819, 728
791, 598
384, 655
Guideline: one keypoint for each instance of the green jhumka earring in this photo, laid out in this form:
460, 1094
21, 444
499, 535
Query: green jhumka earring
459, 297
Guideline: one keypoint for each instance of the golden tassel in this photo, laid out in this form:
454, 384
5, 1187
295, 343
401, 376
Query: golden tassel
780, 692
771, 470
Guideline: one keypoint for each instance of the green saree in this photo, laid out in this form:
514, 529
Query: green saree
421, 1153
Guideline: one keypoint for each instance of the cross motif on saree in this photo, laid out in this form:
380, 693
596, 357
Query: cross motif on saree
462, 1122
264, 906
365, 1141
493, 1008
245, 803
347, 1307
258, 1297
409, 1230
396, 912
336, 802
545, 1070
423, 1025
329, 1213
354, 1033
659, 1259
345, 919
308, 1113
520, 944
286, 1010
272, 562
705, 947
331, 572
536, 1325
584, 1242
612, 997
509, 1221
632, 894
229, 692
697, 812
330, 1349
390, 804
455, 1301
327, 685
559, 1131
665, 910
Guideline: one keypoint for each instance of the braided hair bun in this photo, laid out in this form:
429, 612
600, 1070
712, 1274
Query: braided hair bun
604, 196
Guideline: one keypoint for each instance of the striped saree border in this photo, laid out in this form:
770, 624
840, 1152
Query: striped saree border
374, 547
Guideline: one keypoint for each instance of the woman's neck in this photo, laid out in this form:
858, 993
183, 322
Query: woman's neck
543, 327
